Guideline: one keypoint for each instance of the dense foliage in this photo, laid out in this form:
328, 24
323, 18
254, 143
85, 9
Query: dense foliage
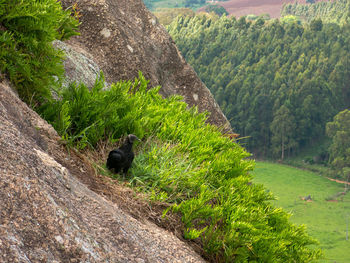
329, 11
193, 4
217, 9
277, 82
27, 57
339, 131
189, 164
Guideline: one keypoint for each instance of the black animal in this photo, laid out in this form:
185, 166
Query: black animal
121, 159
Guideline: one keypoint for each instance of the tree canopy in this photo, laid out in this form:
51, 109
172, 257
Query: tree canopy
217, 9
255, 68
339, 131
193, 4
328, 11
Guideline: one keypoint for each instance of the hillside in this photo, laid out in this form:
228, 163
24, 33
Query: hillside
328, 11
278, 82
61, 203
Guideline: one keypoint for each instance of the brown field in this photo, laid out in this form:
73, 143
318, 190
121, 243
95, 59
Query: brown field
240, 8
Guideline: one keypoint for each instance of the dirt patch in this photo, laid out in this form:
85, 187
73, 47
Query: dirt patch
338, 181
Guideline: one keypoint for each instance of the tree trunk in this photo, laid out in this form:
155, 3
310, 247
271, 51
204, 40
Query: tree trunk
282, 155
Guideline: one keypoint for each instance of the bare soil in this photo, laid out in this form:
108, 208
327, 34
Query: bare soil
339, 181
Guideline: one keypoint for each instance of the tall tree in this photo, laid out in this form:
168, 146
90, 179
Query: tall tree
339, 131
254, 68
283, 129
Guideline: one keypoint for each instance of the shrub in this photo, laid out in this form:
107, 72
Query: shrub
188, 164
27, 57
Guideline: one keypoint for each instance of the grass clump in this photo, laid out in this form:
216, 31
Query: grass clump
187, 163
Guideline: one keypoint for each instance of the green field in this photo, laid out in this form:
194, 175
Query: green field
170, 4
325, 220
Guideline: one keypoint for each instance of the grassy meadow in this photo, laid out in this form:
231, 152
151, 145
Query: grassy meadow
171, 4
325, 220
168, 3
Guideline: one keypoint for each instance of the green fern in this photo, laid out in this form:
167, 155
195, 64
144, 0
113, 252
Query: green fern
27, 29
188, 164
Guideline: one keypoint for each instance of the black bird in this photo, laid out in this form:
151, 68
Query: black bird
121, 158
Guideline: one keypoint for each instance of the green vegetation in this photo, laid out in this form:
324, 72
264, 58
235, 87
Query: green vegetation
217, 9
155, 4
193, 4
27, 29
339, 131
314, 158
187, 163
325, 220
270, 74
183, 161
329, 11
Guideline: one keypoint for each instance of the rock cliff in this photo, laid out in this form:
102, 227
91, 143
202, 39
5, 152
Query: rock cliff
123, 37
48, 215
53, 207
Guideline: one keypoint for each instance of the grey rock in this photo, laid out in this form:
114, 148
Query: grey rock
79, 66
48, 215
123, 37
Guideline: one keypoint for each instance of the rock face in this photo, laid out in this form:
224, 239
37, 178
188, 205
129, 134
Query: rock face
48, 215
79, 66
123, 37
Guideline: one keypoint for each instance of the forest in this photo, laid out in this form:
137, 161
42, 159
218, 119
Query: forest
153, 5
278, 81
328, 11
